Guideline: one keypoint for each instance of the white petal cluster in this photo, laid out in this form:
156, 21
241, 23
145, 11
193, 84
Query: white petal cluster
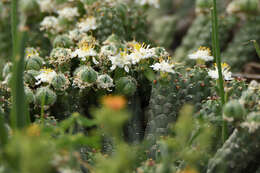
68, 13
155, 3
139, 52
51, 24
45, 76
227, 75
105, 82
202, 53
163, 66
85, 50
87, 24
120, 60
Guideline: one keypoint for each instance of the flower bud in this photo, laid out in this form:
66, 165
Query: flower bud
62, 41
104, 81
33, 63
88, 74
30, 98
60, 82
126, 86
48, 94
233, 111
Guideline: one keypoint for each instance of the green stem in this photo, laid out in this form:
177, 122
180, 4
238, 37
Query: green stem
216, 47
19, 111
257, 48
42, 109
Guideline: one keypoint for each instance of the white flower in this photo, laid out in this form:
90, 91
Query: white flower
87, 24
154, 3
139, 52
68, 13
45, 76
47, 5
30, 51
163, 66
227, 75
50, 23
85, 50
120, 60
202, 53
105, 82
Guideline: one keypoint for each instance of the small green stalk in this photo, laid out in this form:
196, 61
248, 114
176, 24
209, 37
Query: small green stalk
216, 49
42, 109
257, 48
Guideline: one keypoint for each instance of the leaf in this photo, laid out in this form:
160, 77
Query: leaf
257, 48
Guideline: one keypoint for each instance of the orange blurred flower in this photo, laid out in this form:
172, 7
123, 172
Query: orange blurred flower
114, 102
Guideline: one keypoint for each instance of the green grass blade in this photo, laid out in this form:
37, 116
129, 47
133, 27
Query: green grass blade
257, 48
3, 131
19, 111
216, 48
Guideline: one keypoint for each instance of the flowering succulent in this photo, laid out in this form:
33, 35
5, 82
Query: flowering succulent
45, 76
227, 75
203, 53
163, 66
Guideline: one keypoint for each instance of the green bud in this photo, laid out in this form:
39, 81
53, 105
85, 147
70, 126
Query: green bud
233, 111
88, 74
62, 41
60, 82
50, 96
7, 69
126, 86
33, 63
30, 98
104, 81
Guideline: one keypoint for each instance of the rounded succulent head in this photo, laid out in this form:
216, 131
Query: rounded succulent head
234, 111
126, 86
46, 94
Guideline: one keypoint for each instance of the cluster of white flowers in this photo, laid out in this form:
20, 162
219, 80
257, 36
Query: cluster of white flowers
227, 75
68, 13
155, 3
45, 76
120, 60
86, 50
163, 66
51, 24
87, 24
203, 53
139, 52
